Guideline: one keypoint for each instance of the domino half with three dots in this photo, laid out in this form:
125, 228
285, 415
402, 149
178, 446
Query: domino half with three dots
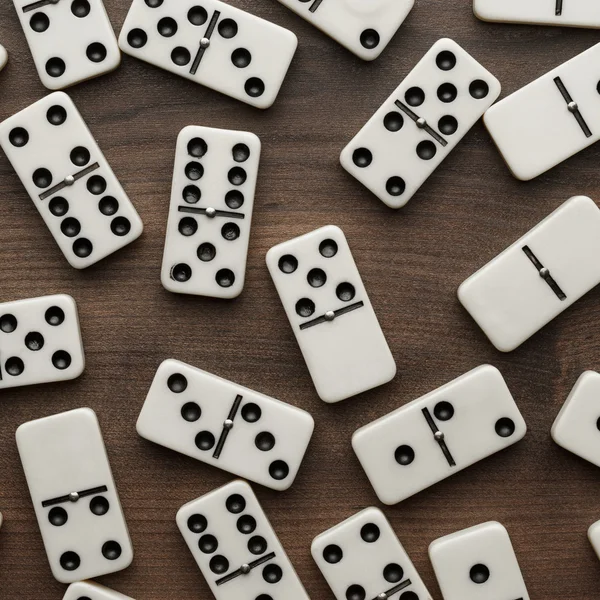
236, 548
550, 119
362, 558
210, 215
40, 341
330, 313
225, 425
364, 28
68, 179
88, 590
538, 277
420, 123
478, 563
70, 40
434, 437
211, 43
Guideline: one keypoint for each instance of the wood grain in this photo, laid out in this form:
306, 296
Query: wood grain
411, 261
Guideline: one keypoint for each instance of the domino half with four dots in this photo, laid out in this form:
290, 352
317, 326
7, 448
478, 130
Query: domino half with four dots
364, 28
538, 277
435, 436
532, 140
40, 341
211, 43
236, 548
69, 180
478, 563
212, 198
362, 559
330, 314
420, 123
74, 496
70, 40
225, 425
88, 590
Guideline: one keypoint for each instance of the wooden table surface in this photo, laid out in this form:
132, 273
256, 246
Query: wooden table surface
411, 262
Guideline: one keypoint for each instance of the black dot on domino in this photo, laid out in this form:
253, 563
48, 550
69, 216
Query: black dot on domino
197, 147
426, 150
82, 247
14, 366
120, 226
18, 137
56, 115
393, 573
197, 15
153, 3
257, 545
181, 272
194, 171
205, 440
328, 248
187, 226
96, 52
228, 28
167, 27
395, 186
219, 564
251, 413
356, 592
479, 89
333, 554
288, 264
58, 516
34, 341
265, 441
272, 573
8, 323
316, 278
447, 92
108, 205
241, 58
240, 153
225, 278
443, 411
345, 291
181, 56
58, 206
177, 383
369, 39
393, 121
414, 96
264, 597
370, 533
80, 8
479, 574
445, 60
448, 125
362, 157
206, 252
80, 156
70, 561
234, 199
197, 523
39, 22
191, 412
254, 87
404, 455
61, 360
279, 470
235, 504
246, 524
598, 424
42, 177
237, 176
505, 427
111, 550
99, 506
56, 67
70, 227
305, 307
230, 232
96, 185
138, 38
191, 194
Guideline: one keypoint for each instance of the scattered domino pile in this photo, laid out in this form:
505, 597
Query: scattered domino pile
242, 431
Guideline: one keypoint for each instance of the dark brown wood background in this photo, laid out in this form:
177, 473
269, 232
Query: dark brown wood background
411, 261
